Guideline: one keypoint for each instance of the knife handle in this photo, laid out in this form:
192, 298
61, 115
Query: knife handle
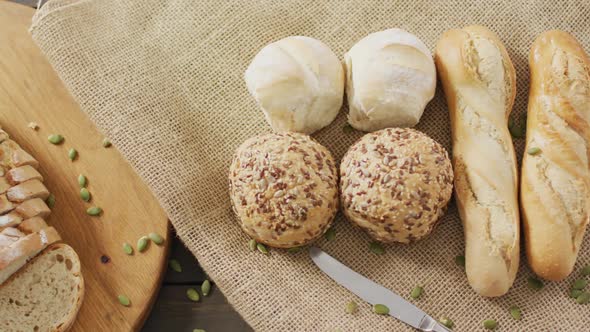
429, 324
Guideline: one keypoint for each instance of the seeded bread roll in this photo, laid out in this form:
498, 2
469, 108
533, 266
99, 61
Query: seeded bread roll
284, 189
395, 184
555, 193
479, 83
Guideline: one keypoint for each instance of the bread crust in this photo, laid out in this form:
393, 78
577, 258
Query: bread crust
479, 82
556, 182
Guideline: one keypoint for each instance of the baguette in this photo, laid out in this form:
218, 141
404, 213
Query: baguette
479, 83
556, 179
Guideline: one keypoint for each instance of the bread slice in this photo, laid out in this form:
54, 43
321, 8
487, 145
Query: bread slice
45, 295
23, 174
27, 190
31, 208
5, 205
15, 256
32, 225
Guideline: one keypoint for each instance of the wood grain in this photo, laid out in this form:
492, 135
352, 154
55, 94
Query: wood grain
174, 312
31, 91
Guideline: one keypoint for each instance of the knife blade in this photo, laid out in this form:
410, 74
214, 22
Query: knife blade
374, 293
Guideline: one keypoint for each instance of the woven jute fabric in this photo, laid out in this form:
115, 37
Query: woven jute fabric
164, 80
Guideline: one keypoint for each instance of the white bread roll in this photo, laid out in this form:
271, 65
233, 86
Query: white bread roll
298, 82
479, 83
390, 77
556, 180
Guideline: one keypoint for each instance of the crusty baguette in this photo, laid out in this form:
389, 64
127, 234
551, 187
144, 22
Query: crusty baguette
45, 295
556, 180
479, 83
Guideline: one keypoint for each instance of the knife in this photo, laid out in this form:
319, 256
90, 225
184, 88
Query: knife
375, 293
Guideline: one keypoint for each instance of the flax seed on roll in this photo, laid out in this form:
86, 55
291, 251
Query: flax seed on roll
284, 189
395, 184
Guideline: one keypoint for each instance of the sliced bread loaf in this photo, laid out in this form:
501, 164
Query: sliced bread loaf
45, 295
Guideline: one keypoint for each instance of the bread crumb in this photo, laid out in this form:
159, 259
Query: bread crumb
33, 125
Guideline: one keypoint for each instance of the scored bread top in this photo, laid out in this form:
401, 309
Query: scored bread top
556, 181
479, 83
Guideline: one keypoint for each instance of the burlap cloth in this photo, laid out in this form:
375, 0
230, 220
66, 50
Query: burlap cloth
164, 80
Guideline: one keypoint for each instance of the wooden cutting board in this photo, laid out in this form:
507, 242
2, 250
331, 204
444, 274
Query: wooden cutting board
30, 91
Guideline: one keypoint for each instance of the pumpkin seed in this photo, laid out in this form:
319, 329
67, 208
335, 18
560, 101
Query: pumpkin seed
574, 293
330, 234
82, 181
515, 312
142, 243
55, 139
206, 287
72, 154
156, 238
262, 248
252, 244
199, 330
447, 322
583, 298
416, 292
515, 130
490, 324
347, 128
124, 300
106, 143
376, 248
94, 211
460, 260
175, 265
85, 194
534, 151
580, 284
50, 201
294, 250
193, 295
534, 283
351, 307
380, 309
586, 270
127, 248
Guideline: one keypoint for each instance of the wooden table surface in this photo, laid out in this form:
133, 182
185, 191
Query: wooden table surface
172, 311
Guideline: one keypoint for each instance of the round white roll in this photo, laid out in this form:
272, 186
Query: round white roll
390, 78
298, 82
